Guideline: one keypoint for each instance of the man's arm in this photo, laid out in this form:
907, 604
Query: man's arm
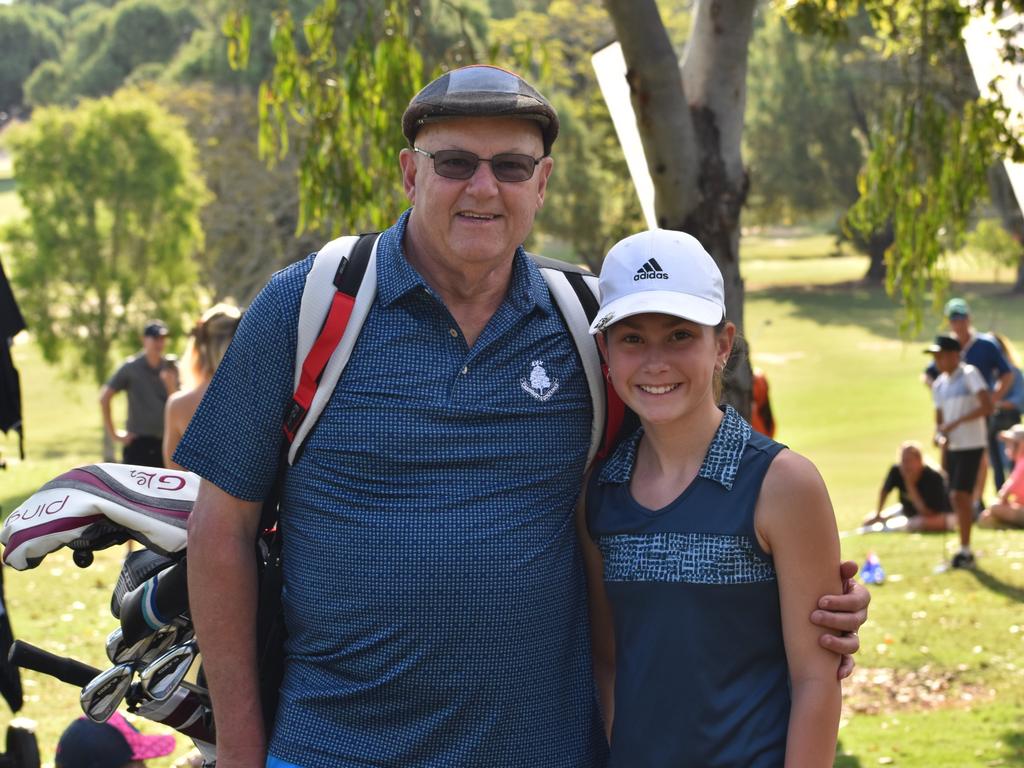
602, 634
222, 597
843, 613
106, 395
914, 494
1003, 384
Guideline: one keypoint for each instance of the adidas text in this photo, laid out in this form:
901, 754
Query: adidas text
650, 276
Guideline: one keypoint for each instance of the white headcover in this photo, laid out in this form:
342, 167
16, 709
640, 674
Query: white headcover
91, 502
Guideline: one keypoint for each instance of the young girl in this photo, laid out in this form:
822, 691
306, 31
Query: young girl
707, 544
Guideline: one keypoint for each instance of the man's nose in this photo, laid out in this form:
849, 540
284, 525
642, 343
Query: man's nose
483, 180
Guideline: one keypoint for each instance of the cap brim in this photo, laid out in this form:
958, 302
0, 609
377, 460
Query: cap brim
688, 307
932, 349
143, 746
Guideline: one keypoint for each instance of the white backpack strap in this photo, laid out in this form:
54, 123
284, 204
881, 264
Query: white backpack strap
579, 326
316, 301
317, 296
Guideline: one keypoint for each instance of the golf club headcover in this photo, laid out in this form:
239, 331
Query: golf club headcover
98, 505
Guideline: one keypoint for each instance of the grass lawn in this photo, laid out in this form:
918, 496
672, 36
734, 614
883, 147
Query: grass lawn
940, 680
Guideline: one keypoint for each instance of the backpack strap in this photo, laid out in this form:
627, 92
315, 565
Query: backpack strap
575, 292
336, 299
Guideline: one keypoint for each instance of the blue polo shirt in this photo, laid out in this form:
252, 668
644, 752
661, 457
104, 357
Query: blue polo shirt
433, 592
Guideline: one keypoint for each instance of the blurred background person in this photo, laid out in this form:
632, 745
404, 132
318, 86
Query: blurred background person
142, 378
1008, 510
1009, 408
924, 499
963, 404
981, 351
206, 346
113, 744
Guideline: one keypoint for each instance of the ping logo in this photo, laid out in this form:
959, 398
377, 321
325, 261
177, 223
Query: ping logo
651, 270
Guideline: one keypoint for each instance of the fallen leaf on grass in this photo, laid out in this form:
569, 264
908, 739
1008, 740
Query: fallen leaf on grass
883, 690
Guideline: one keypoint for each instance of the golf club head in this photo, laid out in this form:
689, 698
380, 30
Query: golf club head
105, 692
164, 675
146, 649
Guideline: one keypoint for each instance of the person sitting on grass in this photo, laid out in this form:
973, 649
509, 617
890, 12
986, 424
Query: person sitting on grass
962, 404
924, 499
1008, 511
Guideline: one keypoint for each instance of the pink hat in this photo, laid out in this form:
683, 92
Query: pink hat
143, 746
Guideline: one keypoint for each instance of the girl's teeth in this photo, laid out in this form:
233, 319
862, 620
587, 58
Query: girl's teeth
658, 390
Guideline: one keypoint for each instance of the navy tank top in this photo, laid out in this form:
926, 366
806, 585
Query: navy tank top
701, 676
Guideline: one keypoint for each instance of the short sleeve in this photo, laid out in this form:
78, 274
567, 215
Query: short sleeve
999, 361
892, 480
975, 381
121, 378
234, 440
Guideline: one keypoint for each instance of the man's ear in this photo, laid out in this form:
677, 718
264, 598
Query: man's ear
544, 169
407, 162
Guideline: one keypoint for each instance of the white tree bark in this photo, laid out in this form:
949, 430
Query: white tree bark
691, 123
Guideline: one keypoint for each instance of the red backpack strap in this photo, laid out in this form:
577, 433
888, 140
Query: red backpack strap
347, 280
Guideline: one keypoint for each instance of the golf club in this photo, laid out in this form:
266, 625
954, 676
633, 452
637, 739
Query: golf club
164, 675
105, 692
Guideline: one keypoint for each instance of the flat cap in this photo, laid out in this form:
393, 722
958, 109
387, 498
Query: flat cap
480, 90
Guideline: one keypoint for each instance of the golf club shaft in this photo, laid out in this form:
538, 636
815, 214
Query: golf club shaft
66, 670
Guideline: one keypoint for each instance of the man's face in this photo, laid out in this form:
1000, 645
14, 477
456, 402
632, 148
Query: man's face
960, 325
911, 462
479, 219
154, 345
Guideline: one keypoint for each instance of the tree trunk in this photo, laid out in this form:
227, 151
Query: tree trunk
1005, 201
691, 123
876, 245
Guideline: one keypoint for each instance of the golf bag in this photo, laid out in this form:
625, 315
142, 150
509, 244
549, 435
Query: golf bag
153, 648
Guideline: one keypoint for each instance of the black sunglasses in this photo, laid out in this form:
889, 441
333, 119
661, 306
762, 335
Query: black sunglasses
459, 164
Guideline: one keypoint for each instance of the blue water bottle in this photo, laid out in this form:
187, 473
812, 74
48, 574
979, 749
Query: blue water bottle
872, 572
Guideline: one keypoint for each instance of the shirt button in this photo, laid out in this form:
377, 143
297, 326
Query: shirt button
465, 370
454, 333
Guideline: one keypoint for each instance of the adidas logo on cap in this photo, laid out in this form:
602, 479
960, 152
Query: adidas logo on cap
633, 280
651, 270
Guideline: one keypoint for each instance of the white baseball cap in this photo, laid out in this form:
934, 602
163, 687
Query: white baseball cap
661, 271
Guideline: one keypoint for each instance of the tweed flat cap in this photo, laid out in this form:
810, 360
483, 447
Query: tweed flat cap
480, 90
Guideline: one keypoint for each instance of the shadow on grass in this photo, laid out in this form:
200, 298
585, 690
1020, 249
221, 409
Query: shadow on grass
998, 586
1013, 741
867, 306
6, 185
845, 761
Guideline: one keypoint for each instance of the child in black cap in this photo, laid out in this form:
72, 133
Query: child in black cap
113, 744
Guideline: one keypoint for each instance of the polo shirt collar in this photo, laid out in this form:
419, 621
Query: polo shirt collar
721, 463
397, 278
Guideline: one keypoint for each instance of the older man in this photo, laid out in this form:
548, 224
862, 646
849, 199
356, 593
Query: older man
433, 590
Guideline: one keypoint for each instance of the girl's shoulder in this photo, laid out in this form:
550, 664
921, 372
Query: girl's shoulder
792, 473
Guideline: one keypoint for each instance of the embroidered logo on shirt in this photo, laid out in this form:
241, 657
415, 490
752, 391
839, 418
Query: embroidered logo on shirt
651, 270
539, 384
